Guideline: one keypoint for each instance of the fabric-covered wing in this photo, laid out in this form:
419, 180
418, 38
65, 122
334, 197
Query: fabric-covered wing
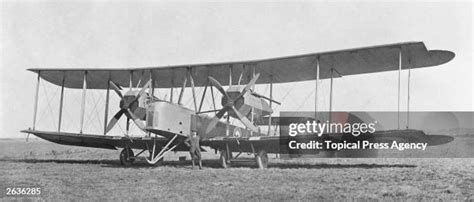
276, 70
101, 141
274, 144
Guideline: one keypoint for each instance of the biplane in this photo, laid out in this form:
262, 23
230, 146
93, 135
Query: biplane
167, 122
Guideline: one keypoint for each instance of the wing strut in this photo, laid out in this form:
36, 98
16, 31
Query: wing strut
330, 91
408, 98
203, 94
213, 100
230, 75
61, 99
399, 83
83, 101
182, 89
106, 113
130, 80
171, 90
271, 97
316, 90
36, 99
330, 96
193, 89
152, 89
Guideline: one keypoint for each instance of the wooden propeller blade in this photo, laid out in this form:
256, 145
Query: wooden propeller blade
116, 89
251, 83
215, 119
127, 104
147, 85
212, 124
218, 85
114, 120
248, 86
245, 120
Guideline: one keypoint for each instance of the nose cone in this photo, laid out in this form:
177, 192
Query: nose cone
233, 92
129, 97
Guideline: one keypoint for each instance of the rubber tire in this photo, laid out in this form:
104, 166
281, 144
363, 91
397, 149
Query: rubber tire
125, 157
262, 159
223, 160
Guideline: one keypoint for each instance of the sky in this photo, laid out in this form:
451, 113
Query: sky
121, 34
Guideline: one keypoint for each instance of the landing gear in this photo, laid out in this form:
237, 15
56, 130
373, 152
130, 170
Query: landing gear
127, 157
262, 159
224, 160
159, 157
160, 161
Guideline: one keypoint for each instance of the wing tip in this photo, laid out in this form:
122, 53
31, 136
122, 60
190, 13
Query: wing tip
33, 70
434, 140
443, 56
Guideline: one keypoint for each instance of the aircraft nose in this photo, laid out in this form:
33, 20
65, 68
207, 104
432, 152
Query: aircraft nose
127, 99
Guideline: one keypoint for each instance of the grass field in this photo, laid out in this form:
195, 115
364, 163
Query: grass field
65, 172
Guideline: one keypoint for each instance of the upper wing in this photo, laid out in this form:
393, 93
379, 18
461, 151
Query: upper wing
276, 70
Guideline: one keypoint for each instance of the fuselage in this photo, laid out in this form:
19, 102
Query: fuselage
169, 119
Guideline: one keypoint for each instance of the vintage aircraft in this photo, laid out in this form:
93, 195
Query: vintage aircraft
168, 122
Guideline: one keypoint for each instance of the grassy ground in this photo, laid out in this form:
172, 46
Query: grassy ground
65, 172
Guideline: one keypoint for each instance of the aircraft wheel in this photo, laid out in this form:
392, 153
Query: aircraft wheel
262, 159
224, 160
126, 157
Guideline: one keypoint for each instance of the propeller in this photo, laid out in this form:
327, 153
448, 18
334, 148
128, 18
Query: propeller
126, 105
229, 106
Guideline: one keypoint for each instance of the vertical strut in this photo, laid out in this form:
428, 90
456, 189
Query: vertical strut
213, 100
36, 100
130, 80
171, 92
61, 104
172, 88
127, 125
182, 89
203, 94
151, 97
399, 83
330, 96
152, 77
252, 110
83, 102
408, 97
316, 90
106, 113
271, 98
191, 80
230, 75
